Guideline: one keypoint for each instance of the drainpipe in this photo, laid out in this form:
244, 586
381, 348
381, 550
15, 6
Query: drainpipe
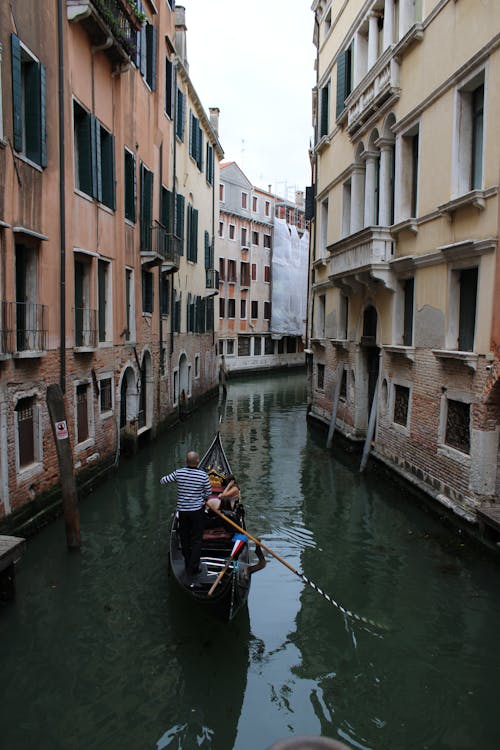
62, 211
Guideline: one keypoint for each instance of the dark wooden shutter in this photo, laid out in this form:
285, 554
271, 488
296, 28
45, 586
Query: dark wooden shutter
343, 79
188, 231
94, 191
408, 312
112, 172
467, 316
324, 114
101, 284
17, 93
194, 235
96, 127
25, 428
43, 116
169, 70
152, 57
208, 254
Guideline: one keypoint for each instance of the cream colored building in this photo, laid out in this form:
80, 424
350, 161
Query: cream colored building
402, 280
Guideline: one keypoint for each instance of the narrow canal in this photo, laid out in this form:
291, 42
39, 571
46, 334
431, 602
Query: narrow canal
101, 651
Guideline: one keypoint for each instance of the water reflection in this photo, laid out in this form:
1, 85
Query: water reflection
101, 650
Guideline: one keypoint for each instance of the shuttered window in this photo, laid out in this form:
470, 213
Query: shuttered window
324, 122
169, 88
409, 285
467, 314
209, 254
146, 217
179, 125
179, 220
192, 234
82, 413
94, 157
102, 284
210, 164
344, 71
147, 292
28, 104
166, 208
105, 395
130, 186
196, 140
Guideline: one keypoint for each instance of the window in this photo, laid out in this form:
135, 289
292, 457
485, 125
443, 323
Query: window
344, 317
267, 311
255, 238
30, 316
267, 274
146, 208
343, 385
268, 345
467, 309
130, 185
408, 293
147, 292
254, 309
320, 332
267, 241
401, 404
346, 208
105, 395
222, 189
222, 307
457, 434
254, 203
221, 229
245, 274
323, 228
243, 346
179, 125
210, 164
179, 220
344, 79
146, 52
230, 346
82, 413
244, 238
85, 320
267, 208
129, 305
222, 269
469, 154
197, 366
1, 109
176, 323
192, 234
231, 271
324, 112
231, 308
94, 157
320, 376
244, 200
28, 104
169, 88
254, 271
164, 294
232, 229
408, 175
26, 412
196, 140
257, 346
104, 309
243, 309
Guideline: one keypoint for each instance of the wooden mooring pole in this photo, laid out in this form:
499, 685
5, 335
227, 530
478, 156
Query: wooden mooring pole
57, 412
335, 404
371, 429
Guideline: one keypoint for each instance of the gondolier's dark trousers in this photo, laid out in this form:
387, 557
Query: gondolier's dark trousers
191, 525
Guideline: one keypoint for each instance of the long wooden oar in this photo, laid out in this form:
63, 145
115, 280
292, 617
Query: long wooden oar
310, 583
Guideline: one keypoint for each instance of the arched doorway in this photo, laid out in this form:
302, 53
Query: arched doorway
184, 384
146, 392
128, 396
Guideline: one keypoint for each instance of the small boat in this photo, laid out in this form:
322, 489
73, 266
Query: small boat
231, 592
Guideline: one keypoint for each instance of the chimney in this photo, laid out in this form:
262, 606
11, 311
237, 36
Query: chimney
180, 35
214, 119
299, 199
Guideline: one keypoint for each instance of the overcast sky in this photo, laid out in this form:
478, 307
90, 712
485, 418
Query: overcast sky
255, 61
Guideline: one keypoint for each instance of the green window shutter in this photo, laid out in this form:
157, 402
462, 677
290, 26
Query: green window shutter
200, 149
32, 111
144, 50
111, 175
191, 133
208, 258
142, 181
96, 149
169, 70
179, 128
43, 116
188, 231
194, 236
93, 157
153, 58
17, 93
343, 79
179, 221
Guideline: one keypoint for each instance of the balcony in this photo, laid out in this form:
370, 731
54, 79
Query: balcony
362, 259
379, 85
212, 279
85, 329
160, 247
23, 330
111, 25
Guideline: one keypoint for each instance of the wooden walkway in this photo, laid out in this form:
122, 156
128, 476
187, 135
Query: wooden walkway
12, 549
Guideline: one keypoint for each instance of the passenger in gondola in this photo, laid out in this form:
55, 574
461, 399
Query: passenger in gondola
228, 498
193, 488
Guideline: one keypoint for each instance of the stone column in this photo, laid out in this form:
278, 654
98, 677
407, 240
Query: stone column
357, 197
370, 159
388, 23
372, 40
406, 16
385, 193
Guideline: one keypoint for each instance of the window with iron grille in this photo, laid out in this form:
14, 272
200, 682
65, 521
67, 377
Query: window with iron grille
457, 433
82, 413
320, 377
25, 412
401, 404
105, 395
243, 346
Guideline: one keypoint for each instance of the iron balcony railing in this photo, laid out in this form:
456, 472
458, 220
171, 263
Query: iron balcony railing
85, 328
212, 278
166, 245
117, 15
23, 327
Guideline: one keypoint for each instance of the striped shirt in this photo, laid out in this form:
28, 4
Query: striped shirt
193, 487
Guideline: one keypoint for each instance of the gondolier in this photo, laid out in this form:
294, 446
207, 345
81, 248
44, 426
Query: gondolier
193, 488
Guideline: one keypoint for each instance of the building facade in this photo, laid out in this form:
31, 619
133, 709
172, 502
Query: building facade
108, 177
253, 272
403, 299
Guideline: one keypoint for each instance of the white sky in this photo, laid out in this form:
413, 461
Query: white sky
255, 62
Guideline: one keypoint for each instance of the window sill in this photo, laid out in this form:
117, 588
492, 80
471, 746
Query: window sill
453, 453
29, 354
4, 356
408, 352
340, 343
319, 342
88, 443
400, 429
408, 225
468, 358
323, 142
475, 198
26, 472
105, 345
84, 349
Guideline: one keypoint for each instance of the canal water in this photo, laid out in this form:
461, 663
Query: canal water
101, 651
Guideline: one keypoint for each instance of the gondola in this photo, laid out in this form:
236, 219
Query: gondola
231, 593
